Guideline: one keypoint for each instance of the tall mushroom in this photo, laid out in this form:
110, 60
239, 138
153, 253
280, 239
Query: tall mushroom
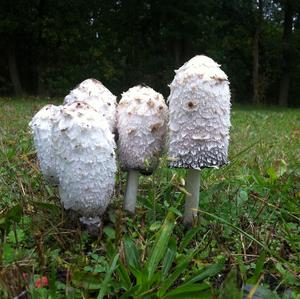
42, 126
141, 125
96, 95
199, 123
85, 150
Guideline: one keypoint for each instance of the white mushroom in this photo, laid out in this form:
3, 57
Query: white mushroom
199, 123
96, 95
141, 124
41, 126
85, 150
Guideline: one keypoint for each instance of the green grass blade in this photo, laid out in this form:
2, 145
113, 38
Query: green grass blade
235, 227
131, 254
161, 243
107, 278
230, 289
259, 266
190, 291
86, 280
167, 262
178, 270
124, 277
174, 276
188, 237
235, 159
130, 293
208, 271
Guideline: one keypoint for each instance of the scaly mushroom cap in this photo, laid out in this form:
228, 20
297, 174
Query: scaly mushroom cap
85, 149
199, 115
41, 126
96, 95
141, 124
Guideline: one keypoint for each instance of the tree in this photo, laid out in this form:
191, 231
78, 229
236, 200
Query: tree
288, 51
49, 46
258, 17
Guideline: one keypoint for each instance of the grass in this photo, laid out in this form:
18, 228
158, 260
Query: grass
247, 240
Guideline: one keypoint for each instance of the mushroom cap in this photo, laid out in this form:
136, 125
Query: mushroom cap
85, 150
42, 126
141, 123
199, 117
96, 95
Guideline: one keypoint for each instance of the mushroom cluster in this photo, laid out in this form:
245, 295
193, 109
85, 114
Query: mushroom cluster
76, 149
199, 122
142, 125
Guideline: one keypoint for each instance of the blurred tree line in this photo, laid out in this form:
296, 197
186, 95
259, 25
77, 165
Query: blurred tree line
48, 46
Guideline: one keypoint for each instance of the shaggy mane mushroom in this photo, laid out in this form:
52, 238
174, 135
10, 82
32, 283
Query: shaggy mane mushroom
85, 150
141, 124
199, 123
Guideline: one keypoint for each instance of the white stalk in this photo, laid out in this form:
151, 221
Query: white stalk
192, 200
131, 190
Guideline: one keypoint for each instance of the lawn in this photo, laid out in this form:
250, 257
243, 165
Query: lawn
247, 239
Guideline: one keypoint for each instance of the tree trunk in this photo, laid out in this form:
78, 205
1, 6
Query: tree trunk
177, 50
256, 99
256, 84
284, 89
41, 90
187, 48
13, 71
287, 54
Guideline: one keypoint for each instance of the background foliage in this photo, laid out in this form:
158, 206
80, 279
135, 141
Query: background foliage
49, 46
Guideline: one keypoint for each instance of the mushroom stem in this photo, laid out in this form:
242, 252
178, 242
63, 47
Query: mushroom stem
192, 200
131, 190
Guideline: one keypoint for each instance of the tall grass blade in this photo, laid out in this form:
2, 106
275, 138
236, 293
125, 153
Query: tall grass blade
208, 271
236, 228
230, 289
190, 292
131, 254
168, 261
124, 277
107, 278
180, 268
160, 245
259, 266
235, 158
188, 237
